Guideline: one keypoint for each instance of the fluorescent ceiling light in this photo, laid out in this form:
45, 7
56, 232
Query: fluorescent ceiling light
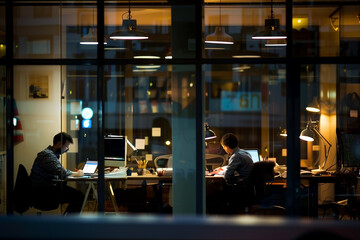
146, 57
214, 48
147, 66
145, 70
275, 44
246, 56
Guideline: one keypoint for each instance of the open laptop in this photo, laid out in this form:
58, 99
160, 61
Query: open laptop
90, 167
254, 154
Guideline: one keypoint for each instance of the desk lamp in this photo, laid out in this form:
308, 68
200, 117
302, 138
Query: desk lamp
209, 134
308, 135
132, 146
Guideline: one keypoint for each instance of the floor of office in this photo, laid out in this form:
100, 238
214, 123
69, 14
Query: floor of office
324, 213
150, 205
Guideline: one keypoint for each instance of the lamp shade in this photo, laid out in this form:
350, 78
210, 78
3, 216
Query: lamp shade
128, 32
283, 132
209, 134
90, 38
271, 30
314, 106
307, 134
219, 37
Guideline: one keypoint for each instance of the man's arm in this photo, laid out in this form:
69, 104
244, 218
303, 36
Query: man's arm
78, 173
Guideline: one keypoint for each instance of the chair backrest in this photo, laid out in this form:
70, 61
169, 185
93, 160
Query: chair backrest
22, 191
163, 161
261, 174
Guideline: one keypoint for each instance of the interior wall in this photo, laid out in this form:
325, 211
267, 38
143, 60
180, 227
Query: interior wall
40, 117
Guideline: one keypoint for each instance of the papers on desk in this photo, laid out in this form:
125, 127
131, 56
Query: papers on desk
115, 175
302, 173
70, 177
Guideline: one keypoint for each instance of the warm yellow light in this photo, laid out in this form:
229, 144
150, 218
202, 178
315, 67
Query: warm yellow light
191, 84
300, 22
147, 66
167, 142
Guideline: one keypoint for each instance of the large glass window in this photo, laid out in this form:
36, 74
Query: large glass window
3, 137
2, 30
247, 100
325, 30
150, 37
244, 31
36, 31
170, 73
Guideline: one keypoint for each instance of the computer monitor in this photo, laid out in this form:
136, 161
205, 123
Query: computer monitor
115, 151
350, 151
254, 154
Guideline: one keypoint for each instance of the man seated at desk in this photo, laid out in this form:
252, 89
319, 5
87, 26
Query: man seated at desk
239, 164
47, 172
236, 175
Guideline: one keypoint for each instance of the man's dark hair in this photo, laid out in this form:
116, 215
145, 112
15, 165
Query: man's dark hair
230, 140
62, 137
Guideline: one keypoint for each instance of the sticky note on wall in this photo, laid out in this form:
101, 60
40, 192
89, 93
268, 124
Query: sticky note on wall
156, 132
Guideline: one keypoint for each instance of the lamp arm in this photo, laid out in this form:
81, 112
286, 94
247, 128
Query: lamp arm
325, 141
132, 146
322, 137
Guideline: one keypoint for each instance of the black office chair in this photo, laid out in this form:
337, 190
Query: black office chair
26, 196
264, 200
22, 191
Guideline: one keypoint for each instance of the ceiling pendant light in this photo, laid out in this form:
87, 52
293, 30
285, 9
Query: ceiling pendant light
91, 37
219, 36
271, 29
128, 30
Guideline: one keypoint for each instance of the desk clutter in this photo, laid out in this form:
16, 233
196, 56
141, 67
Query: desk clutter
281, 171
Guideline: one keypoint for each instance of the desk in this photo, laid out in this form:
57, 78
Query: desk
91, 182
312, 181
124, 181
157, 183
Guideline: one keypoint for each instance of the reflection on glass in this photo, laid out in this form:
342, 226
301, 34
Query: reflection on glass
137, 31
36, 31
243, 29
140, 96
3, 138
2, 32
246, 99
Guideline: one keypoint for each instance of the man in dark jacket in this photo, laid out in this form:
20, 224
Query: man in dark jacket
47, 173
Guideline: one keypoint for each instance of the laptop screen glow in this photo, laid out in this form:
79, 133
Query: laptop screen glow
90, 167
254, 154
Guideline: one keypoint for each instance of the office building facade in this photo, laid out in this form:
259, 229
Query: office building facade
158, 72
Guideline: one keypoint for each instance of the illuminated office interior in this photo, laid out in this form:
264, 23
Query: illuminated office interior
194, 64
